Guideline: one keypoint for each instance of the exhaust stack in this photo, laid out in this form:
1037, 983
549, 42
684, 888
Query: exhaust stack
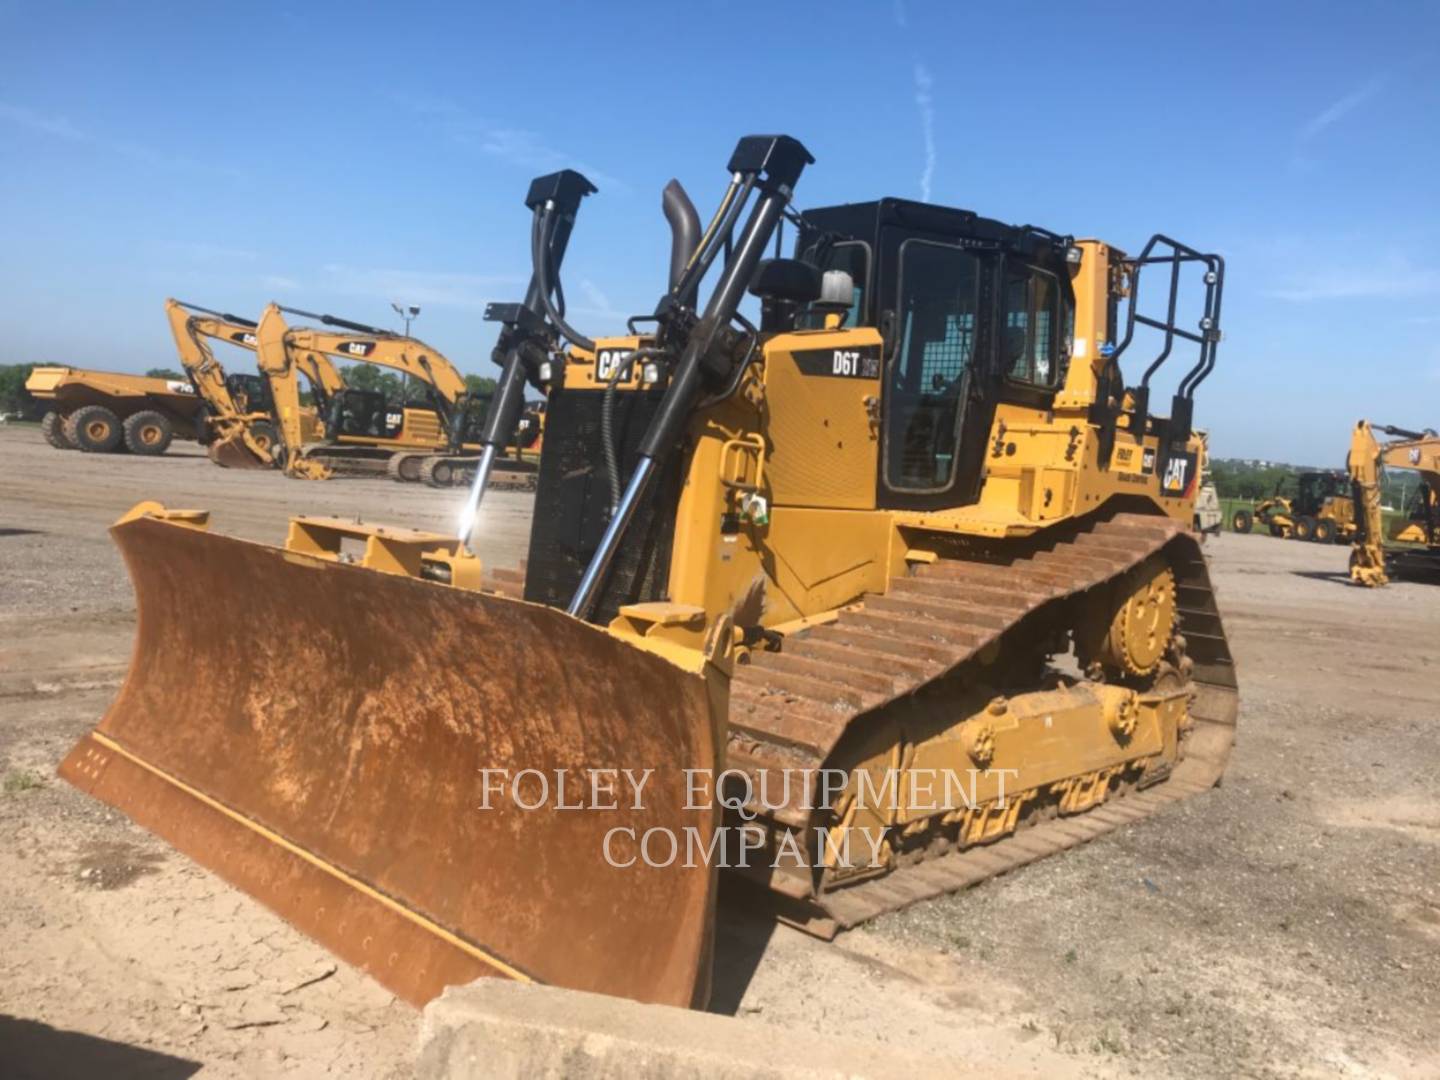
684, 234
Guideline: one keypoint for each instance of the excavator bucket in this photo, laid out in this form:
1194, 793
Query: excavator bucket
234, 451
430, 781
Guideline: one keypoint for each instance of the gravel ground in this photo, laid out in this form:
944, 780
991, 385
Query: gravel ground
1285, 924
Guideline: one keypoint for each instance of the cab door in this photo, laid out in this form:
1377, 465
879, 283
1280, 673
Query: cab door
935, 381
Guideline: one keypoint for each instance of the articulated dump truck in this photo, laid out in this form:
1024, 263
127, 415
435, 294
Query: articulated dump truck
102, 412
891, 592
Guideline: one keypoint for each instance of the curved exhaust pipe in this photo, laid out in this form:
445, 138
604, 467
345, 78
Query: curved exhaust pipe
684, 232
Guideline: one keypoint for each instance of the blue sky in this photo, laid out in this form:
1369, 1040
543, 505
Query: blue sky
338, 156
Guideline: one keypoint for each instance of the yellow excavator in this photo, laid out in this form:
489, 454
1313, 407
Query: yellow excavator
884, 594
1372, 562
237, 425
361, 431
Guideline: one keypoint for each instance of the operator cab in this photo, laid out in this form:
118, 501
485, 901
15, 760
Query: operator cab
972, 312
1313, 489
251, 393
364, 413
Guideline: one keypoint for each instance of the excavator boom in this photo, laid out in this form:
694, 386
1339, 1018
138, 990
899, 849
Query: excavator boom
351, 438
239, 435
1370, 560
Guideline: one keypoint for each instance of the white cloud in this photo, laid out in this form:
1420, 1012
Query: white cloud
598, 301
61, 128
49, 125
1393, 278
419, 287
1338, 110
517, 146
201, 252
279, 283
925, 102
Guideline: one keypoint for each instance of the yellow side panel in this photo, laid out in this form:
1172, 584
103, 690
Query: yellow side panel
819, 560
43, 380
822, 390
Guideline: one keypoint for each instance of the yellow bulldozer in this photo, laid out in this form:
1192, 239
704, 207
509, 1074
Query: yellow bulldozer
1372, 560
884, 593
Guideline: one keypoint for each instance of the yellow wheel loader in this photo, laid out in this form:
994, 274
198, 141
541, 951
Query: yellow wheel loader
900, 579
102, 412
1372, 561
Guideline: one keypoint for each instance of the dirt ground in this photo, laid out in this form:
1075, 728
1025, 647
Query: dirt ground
1285, 924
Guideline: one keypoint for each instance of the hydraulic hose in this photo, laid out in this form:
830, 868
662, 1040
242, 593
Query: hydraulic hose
540, 258
607, 423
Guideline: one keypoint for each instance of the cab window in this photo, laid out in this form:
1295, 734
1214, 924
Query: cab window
1033, 326
929, 372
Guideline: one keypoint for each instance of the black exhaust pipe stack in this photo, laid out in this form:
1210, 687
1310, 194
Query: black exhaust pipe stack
684, 234
765, 164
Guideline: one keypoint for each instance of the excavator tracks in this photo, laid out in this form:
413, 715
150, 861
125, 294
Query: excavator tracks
789, 709
452, 470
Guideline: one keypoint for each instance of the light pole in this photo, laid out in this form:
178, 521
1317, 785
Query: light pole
406, 312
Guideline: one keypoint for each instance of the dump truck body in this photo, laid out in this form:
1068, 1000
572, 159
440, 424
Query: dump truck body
102, 411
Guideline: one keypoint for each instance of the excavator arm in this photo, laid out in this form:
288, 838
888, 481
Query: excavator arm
282, 372
193, 327
372, 345
1419, 451
242, 437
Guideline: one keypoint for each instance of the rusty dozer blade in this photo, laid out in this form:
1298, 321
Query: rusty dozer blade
316, 732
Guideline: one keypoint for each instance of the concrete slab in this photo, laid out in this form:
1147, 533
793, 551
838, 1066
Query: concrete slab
499, 1030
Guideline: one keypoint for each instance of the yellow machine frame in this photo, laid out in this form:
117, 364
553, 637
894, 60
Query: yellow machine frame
284, 350
1368, 456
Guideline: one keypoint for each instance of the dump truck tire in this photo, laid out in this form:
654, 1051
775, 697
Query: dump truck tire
1242, 521
1325, 531
263, 433
1304, 528
94, 429
201, 423
52, 426
148, 432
